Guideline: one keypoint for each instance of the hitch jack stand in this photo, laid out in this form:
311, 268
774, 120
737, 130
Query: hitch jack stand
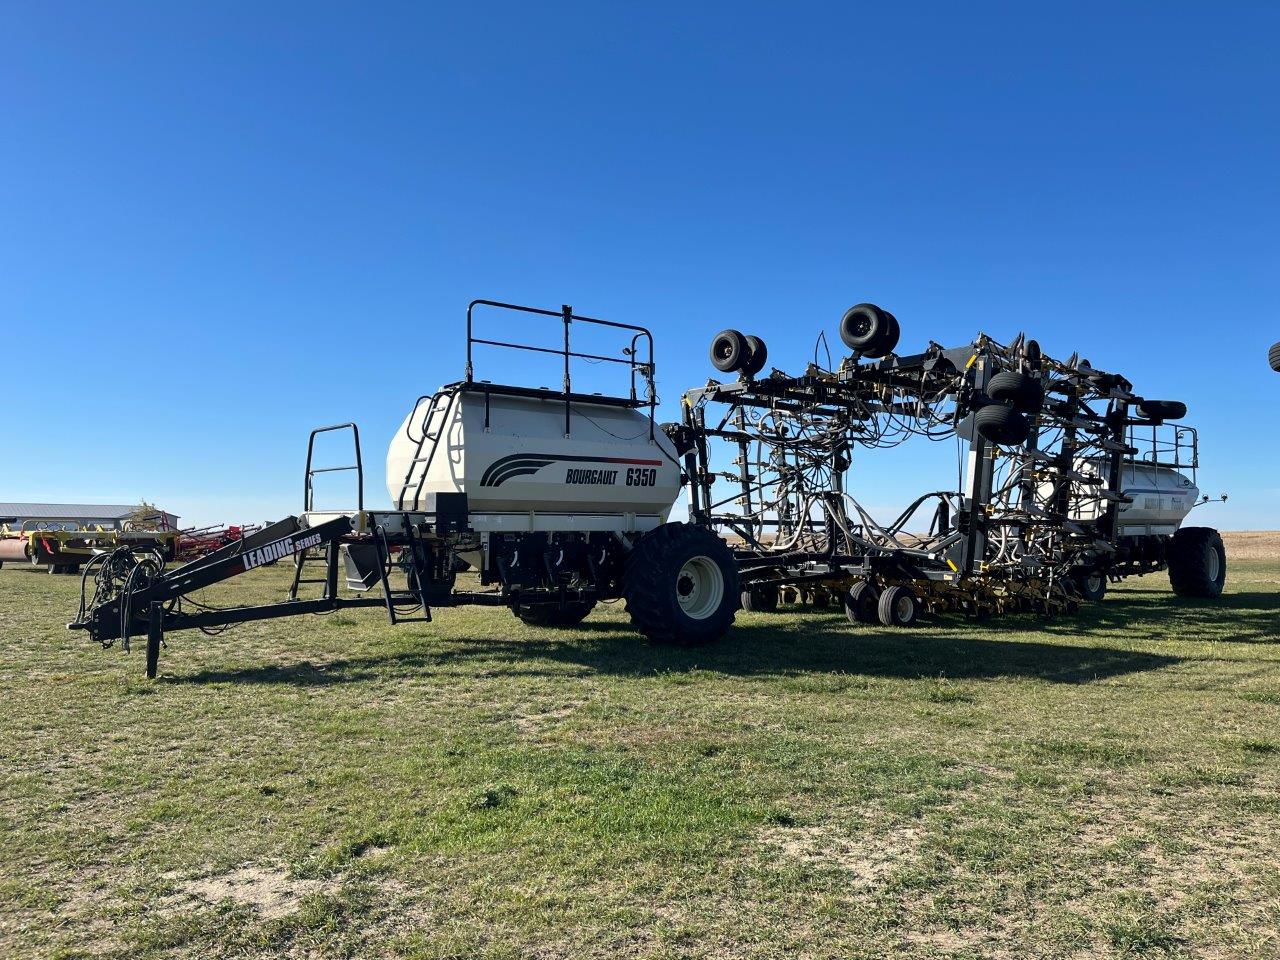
155, 637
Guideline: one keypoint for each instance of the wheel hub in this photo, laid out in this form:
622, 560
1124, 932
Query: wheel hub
700, 587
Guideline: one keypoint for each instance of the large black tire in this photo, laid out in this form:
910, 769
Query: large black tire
1020, 391
860, 603
553, 615
757, 356
1092, 585
898, 607
728, 351
681, 585
1273, 357
760, 599
895, 331
1031, 351
1197, 562
1162, 409
869, 330
1002, 425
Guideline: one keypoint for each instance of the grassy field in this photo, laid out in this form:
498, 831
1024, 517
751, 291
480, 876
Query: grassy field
1101, 786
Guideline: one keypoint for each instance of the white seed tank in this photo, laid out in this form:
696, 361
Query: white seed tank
1162, 498
509, 453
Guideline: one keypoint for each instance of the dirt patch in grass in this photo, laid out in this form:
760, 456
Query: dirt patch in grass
869, 859
269, 890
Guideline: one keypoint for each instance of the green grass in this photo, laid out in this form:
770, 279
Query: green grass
1101, 786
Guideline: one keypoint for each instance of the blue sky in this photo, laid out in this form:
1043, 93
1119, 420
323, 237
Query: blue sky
226, 223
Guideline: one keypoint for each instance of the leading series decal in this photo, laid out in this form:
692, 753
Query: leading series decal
280, 548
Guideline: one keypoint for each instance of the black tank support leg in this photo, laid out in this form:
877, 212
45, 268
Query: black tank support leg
155, 637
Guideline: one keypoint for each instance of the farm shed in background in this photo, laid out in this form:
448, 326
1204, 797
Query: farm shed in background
96, 514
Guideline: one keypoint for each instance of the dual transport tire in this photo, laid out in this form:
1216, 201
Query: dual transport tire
1015, 397
1002, 425
895, 606
1159, 411
1020, 391
870, 330
732, 350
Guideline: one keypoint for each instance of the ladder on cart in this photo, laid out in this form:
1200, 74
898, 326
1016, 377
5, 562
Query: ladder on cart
434, 422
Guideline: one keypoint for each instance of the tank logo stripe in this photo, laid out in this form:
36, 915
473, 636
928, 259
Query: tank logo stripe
524, 464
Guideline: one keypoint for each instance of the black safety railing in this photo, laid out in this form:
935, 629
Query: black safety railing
638, 368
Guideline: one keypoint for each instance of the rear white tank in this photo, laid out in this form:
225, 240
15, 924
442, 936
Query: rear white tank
1162, 497
521, 471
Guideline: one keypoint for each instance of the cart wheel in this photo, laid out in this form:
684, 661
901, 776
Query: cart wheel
757, 355
729, 351
681, 585
1002, 425
898, 607
1031, 351
1197, 562
552, 615
895, 331
869, 330
1092, 585
760, 599
1016, 389
860, 603
1162, 410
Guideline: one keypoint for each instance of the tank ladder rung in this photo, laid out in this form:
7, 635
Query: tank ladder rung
433, 429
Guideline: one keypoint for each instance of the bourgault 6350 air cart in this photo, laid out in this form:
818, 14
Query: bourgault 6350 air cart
560, 499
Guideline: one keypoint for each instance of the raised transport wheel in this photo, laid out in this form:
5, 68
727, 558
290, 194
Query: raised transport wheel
1002, 425
1162, 409
1020, 391
868, 329
728, 351
757, 356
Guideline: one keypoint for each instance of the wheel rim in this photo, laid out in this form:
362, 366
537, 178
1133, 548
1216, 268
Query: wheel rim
1214, 565
1094, 583
700, 587
903, 607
